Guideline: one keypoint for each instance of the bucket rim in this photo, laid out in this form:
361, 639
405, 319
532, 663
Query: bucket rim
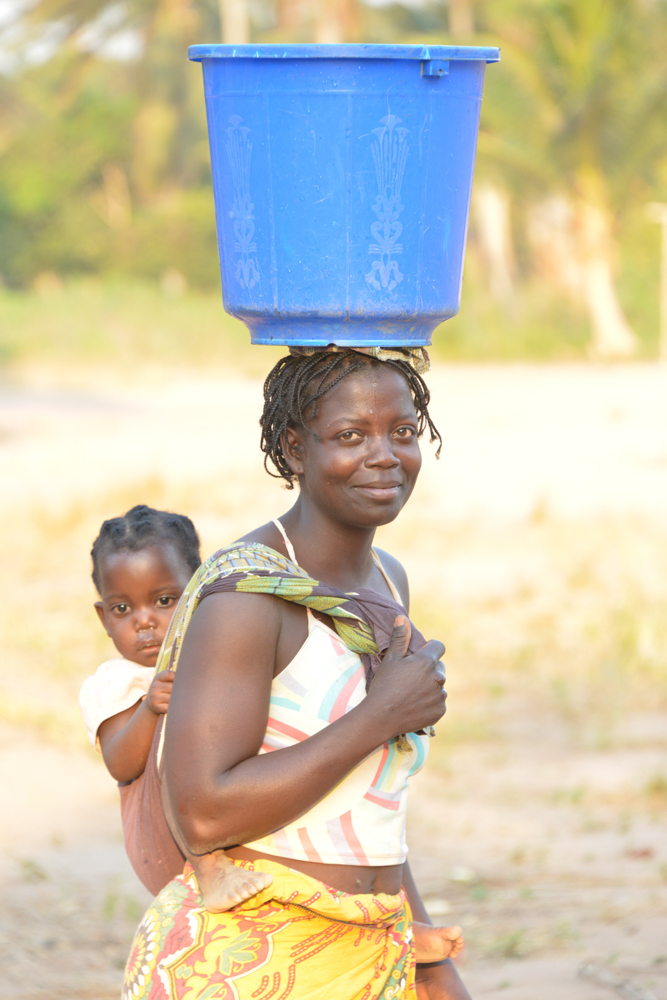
424, 53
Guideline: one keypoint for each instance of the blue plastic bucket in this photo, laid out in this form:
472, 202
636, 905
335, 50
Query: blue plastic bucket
342, 177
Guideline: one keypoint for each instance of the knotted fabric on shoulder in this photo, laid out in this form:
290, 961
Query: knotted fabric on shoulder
364, 620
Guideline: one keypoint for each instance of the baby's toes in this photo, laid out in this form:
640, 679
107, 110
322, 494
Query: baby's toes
231, 897
240, 891
456, 941
252, 887
259, 881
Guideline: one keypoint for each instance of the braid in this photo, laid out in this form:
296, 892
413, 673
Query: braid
296, 383
142, 527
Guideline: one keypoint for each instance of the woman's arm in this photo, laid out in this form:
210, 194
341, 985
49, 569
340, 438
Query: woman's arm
125, 739
440, 982
414, 899
221, 792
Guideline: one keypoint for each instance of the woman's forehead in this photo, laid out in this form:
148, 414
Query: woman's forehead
367, 387
372, 375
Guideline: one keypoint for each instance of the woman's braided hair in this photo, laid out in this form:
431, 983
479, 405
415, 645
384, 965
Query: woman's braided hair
296, 383
142, 527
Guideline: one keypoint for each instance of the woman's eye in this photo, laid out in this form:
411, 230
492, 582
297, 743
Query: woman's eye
349, 435
405, 432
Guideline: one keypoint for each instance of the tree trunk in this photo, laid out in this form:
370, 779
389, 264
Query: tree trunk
575, 249
234, 21
613, 337
290, 14
461, 20
335, 21
327, 22
492, 217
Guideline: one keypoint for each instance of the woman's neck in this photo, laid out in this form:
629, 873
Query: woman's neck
334, 553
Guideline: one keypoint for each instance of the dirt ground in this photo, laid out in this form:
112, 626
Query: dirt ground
536, 548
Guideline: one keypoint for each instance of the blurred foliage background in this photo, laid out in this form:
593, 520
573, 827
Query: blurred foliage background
105, 195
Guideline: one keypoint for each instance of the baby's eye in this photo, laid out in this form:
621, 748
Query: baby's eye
165, 601
120, 609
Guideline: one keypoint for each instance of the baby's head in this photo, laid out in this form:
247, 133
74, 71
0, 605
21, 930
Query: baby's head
142, 563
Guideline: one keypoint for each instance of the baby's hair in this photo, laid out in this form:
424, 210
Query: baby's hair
140, 528
296, 383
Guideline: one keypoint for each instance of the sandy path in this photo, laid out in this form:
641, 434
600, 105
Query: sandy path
542, 881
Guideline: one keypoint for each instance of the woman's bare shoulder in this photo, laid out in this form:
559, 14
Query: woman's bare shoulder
266, 534
396, 574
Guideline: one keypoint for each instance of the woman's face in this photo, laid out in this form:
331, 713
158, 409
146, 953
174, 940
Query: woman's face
361, 461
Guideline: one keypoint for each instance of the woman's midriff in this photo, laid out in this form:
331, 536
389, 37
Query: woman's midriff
347, 878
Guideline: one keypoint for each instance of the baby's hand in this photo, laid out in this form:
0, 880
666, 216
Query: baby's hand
433, 944
159, 692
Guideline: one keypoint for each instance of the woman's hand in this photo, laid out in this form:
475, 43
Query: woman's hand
407, 692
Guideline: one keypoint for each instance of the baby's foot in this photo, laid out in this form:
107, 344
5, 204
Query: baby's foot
223, 885
433, 944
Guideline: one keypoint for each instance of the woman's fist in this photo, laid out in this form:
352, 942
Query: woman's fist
407, 692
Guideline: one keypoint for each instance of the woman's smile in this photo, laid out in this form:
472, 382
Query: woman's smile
379, 491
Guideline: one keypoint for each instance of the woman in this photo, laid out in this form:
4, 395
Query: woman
289, 739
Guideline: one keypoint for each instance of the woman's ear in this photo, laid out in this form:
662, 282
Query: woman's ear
293, 450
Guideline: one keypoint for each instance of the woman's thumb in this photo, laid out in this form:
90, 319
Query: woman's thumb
400, 637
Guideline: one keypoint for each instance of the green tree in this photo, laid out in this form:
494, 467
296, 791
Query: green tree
572, 126
105, 163
578, 111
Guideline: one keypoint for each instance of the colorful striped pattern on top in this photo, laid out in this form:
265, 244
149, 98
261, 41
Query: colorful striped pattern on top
362, 820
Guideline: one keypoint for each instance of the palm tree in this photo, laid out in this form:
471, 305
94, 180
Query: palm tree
578, 113
169, 118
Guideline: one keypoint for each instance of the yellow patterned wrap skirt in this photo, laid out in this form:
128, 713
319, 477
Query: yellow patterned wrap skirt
296, 940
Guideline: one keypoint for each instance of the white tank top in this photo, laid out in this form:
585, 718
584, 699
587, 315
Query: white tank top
362, 820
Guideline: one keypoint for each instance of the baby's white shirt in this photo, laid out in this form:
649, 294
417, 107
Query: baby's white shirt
116, 685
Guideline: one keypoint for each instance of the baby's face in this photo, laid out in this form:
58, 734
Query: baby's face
140, 591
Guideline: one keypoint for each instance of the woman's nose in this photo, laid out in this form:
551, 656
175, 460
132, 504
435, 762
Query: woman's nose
382, 454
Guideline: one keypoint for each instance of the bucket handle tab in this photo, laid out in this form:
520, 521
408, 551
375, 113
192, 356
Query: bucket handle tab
435, 67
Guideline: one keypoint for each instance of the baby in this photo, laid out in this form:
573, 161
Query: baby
142, 563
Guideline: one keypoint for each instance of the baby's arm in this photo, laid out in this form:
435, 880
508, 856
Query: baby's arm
125, 739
